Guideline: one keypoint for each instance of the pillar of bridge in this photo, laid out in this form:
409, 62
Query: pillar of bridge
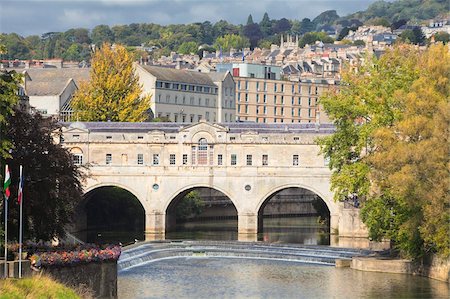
247, 226
155, 225
334, 223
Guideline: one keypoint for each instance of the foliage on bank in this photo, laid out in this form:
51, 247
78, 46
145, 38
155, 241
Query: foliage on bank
391, 149
35, 287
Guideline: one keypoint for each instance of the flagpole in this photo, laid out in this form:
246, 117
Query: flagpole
6, 237
20, 197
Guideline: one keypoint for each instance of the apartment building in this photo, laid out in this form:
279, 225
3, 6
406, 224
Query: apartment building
263, 98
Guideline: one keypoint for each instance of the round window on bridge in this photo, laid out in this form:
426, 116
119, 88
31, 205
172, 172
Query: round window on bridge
248, 187
155, 187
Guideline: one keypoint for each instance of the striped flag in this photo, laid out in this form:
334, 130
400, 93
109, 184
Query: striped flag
7, 183
19, 195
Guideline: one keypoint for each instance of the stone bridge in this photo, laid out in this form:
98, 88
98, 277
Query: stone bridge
249, 163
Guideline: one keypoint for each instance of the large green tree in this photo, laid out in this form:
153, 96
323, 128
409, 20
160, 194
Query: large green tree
113, 92
390, 147
52, 183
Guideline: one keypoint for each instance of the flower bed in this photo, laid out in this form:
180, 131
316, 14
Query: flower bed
78, 255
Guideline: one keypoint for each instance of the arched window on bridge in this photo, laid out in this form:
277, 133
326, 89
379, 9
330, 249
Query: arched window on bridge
202, 154
77, 155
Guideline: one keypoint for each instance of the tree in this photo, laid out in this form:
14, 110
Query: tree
282, 25
113, 92
250, 20
188, 48
306, 26
265, 25
9, 85
442, 37
311, 37
190, 206
390, 147
253, 33
414, 36
52, 183
101, 34
229, 41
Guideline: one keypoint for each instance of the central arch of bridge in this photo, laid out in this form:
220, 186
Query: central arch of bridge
200, 212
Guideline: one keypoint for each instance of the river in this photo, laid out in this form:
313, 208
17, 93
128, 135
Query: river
214, 277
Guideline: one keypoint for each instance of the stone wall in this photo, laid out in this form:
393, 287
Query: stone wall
350, 224
432, 266
100, 277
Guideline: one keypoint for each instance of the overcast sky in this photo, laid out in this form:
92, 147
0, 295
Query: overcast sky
27, 17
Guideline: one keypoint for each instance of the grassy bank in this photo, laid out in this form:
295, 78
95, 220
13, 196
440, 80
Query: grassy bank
35, 287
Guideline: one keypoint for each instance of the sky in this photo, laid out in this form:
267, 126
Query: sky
28, 17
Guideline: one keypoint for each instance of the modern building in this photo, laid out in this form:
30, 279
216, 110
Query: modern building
188, 96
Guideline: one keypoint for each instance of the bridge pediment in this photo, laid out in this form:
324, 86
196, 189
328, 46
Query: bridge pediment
211, 132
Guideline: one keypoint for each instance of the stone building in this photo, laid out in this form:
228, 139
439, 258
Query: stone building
188, 96
263, 98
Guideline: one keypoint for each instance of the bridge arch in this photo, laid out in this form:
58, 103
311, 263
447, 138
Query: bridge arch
331, 205
319, 203
188, 188
211, 213
105, 200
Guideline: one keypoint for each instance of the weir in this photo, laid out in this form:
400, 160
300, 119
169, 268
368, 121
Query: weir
138, 255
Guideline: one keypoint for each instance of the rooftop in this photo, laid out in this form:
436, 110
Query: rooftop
264, 128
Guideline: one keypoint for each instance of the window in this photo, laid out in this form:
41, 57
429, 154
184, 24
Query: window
265, 86
326, 161
172, 159
219, 160
77, 159
246, 85
108, 137
265, 110
233, 159
155, 159
185, 159
232, 138
193, 155
257, 98
108, 159
295, 160
282, 87
264, 98
207, 115
265, 160
296, 138
249, 160
246, 108
275, 87
202, 152
239, 96
246, 97
282, 99
76, 137
140, 159
257, 86
140, 137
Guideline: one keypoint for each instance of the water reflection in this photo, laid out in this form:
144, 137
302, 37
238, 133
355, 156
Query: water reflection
299, 230
244, 278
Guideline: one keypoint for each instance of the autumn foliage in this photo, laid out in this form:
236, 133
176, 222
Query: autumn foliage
391, 146
113, 92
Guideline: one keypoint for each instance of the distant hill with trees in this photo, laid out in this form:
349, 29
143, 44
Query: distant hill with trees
75, 44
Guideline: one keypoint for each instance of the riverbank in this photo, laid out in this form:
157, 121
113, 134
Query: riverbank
431, 267
39, 287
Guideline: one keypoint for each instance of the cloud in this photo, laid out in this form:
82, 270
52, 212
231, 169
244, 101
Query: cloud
28, 17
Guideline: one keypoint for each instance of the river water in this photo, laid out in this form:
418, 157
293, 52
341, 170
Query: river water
214, 277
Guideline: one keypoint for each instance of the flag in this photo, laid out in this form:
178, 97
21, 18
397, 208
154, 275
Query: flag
19, 195
7, 183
